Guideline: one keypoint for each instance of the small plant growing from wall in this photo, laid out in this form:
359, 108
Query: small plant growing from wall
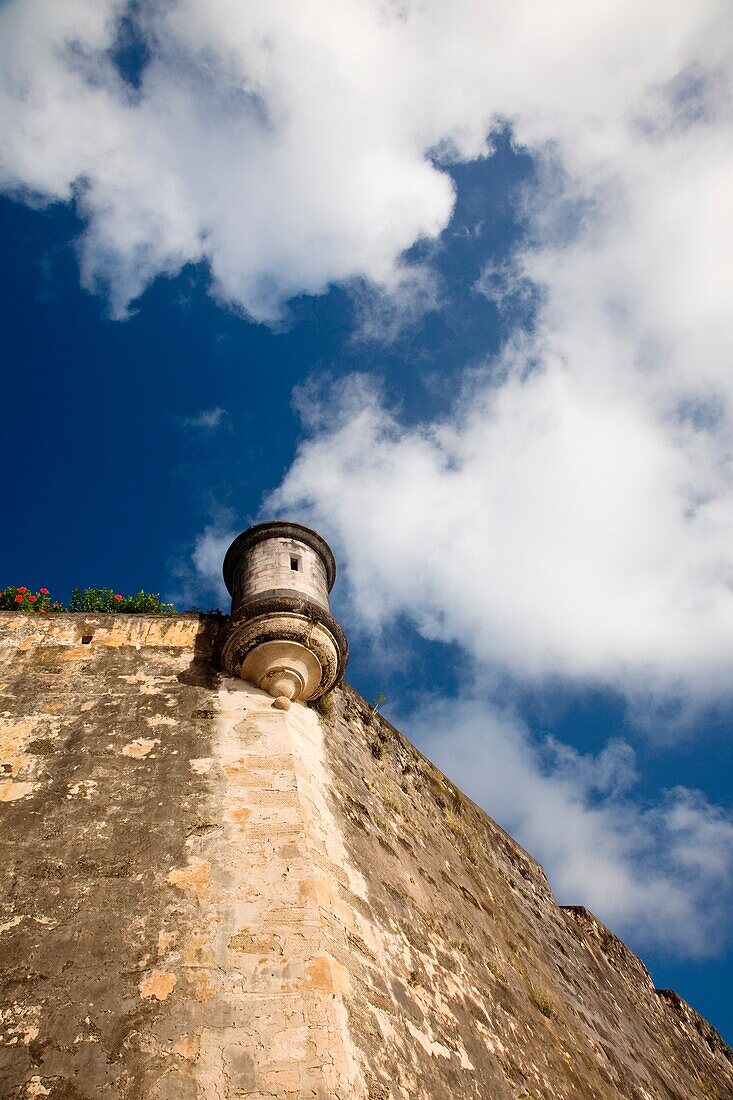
378, 702
324, 705
543, 1002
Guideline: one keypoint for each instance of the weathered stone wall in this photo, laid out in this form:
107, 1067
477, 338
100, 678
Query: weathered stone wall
99, 797
207, 897
467, 979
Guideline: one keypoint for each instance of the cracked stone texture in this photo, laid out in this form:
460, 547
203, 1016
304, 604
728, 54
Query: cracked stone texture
206, 897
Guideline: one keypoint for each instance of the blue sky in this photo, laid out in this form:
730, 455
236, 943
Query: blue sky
462, 308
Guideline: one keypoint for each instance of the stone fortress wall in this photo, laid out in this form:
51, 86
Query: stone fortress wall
207, 897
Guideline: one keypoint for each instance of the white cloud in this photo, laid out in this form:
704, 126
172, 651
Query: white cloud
198, 579
572, 514
291, 148
385, 312
550, 526
208, 420
659, 873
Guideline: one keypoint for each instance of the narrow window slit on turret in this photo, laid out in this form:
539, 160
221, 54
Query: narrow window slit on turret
295, 564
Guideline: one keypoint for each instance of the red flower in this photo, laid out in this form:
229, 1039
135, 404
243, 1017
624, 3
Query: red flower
33, 598
118, 596
43, 591
21, 590
18, 599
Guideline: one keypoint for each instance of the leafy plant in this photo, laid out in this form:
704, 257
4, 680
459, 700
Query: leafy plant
105, 600
98, 600
95, 599
378, 702
20, 598
324, 705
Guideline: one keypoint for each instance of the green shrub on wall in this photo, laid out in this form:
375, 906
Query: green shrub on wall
105, 600
99, 600
19, 598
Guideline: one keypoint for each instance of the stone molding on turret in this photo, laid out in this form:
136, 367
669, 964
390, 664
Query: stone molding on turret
281, 635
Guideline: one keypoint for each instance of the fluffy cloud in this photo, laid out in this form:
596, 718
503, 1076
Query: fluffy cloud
549, 526
197, 578
660, 873
572, 514
289, 148
208, 420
